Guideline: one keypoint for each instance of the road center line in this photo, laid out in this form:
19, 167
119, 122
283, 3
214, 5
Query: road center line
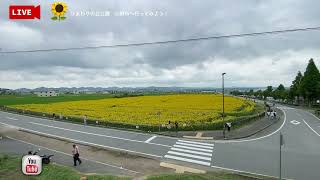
101, 135
310, 127
12, 118
150, 139
74, 124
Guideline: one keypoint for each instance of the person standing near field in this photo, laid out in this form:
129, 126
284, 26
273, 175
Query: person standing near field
85, 120
75, 153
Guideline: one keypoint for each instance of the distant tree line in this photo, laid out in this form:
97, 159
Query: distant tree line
304, 90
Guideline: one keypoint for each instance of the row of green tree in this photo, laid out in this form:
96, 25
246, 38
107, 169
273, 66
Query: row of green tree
305, 89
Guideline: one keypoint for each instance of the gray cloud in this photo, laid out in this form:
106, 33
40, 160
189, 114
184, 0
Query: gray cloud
187, 64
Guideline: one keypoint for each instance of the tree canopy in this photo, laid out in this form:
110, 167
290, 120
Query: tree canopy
310, 82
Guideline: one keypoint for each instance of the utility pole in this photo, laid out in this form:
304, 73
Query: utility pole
280, 160
224, 127
159, 120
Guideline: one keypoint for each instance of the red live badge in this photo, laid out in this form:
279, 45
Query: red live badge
24, 12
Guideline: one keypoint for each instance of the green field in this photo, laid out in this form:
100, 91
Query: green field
32, 99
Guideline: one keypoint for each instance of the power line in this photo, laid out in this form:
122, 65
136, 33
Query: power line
166, 42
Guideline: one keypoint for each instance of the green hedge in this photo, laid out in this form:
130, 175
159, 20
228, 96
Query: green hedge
237, 121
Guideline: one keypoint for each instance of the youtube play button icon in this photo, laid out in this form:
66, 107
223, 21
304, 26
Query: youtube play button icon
24, 12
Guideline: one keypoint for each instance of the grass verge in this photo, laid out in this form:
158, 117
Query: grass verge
10, 168
207, 176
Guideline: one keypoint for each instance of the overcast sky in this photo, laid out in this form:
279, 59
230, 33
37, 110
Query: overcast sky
248, 61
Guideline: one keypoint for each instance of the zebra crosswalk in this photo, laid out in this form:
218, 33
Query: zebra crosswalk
192, 152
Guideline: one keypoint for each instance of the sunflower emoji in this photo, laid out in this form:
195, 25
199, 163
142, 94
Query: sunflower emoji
58, 10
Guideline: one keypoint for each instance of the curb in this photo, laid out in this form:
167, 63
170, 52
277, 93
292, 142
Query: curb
182, 169
246, 136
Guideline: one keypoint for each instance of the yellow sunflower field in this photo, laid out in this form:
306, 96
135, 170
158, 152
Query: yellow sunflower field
148, 110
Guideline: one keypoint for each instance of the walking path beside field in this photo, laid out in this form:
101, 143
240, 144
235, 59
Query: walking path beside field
248, 130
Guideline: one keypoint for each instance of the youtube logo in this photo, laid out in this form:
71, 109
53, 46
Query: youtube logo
31, 165
24, 12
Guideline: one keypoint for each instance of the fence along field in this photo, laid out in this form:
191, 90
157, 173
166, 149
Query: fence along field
150, 110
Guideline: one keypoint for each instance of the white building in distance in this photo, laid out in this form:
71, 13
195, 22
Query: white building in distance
46, 93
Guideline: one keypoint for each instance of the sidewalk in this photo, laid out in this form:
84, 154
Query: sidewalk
94, 160
242, 132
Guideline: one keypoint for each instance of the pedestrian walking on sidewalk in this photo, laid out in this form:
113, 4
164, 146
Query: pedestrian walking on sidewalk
272, 114
75, 153
275, 114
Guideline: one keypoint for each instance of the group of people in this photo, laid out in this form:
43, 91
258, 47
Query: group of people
176, 124
272, 114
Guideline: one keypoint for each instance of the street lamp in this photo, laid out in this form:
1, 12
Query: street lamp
224, 127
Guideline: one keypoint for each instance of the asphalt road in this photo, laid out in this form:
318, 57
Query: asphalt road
300, 153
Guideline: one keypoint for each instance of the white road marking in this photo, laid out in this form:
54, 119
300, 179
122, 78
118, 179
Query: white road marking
217, 141
71, 155
192, 148
189, 151
13, 118
240, 171
310, 127
199, 154
285, 107
194, 142
10, 126
101, 135
84, 142
187, 160
295, 122
150, 139
255, 139
101, 128
194, 145
313, 115
189, 155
